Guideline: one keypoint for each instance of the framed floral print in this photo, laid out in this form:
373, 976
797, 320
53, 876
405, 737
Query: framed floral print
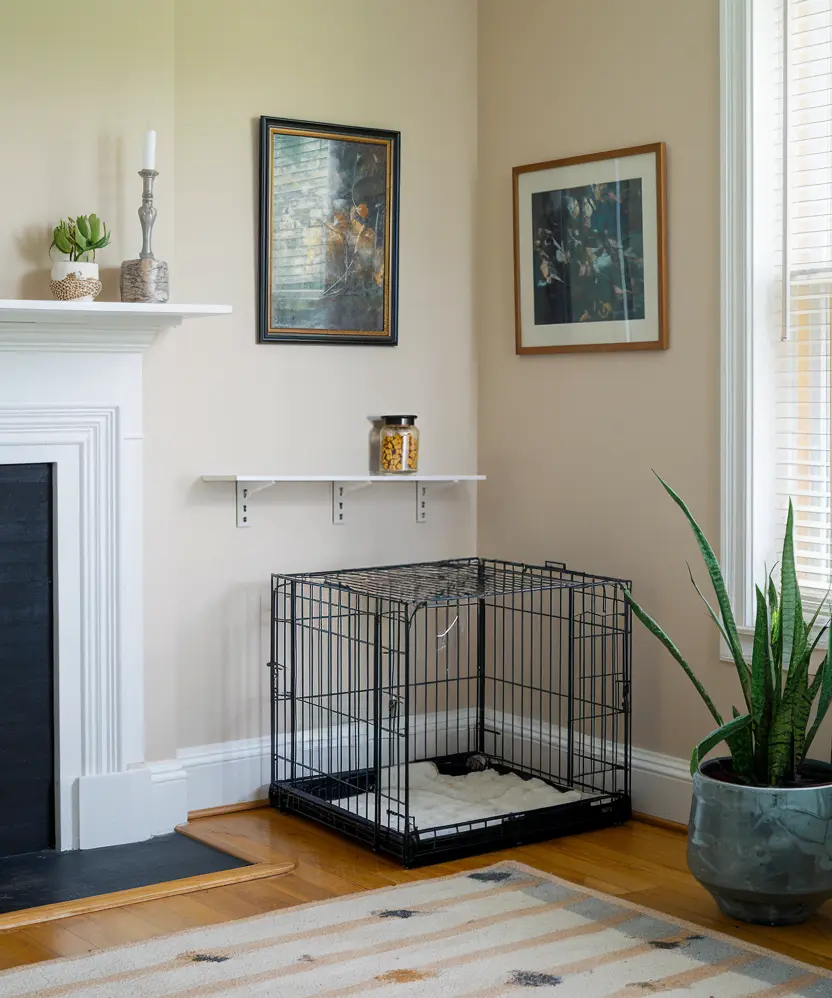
329, 206
590, 257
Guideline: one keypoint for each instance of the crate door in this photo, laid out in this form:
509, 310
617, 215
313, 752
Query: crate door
598, 691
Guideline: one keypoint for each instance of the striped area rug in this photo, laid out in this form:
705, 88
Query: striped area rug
502, 931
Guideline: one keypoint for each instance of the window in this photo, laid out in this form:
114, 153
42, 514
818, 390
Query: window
777, 283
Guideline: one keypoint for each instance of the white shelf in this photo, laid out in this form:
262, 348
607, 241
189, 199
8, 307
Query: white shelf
245, 486
343, 478
91, 325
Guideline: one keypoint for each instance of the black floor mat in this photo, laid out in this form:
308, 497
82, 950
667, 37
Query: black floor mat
38, 878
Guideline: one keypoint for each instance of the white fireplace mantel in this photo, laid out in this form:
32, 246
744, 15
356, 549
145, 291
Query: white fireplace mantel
71, 396
119, 327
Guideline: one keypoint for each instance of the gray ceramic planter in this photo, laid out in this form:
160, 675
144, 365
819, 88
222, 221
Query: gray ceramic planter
764, 853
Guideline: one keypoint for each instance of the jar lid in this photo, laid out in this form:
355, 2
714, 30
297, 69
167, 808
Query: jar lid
399, 420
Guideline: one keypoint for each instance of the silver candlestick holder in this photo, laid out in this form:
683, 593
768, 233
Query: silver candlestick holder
146, 279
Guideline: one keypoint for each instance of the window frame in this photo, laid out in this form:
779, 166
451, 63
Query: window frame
736, 320
747, 460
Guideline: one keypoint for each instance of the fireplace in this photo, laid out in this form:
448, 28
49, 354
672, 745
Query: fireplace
71, 399
27, 735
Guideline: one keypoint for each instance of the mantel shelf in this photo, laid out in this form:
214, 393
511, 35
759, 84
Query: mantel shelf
246, 485
91, 325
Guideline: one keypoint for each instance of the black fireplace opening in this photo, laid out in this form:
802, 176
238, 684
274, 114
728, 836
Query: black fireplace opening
27, 660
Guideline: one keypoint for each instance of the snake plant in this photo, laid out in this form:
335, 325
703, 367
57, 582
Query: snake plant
78, 237
769, 738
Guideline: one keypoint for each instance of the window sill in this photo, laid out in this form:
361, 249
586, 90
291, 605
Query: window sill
747, 642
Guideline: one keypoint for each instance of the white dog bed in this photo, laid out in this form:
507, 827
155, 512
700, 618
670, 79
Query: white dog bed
437, 800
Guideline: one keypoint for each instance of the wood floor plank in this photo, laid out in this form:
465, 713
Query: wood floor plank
110, 928
177, 914
639, 862
53, 938
16, 951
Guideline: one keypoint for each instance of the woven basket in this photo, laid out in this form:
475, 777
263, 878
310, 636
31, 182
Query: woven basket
73, 288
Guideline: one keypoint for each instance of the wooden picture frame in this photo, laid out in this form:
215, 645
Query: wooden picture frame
590, 252
329, 230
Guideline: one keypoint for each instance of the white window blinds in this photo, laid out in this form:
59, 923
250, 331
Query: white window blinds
804, 132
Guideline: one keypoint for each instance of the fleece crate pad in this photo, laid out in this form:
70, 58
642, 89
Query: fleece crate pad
439, 801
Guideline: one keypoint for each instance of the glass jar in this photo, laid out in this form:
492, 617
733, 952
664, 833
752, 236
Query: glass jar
398, 446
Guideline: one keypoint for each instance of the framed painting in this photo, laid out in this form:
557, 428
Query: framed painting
329, 206
590, 256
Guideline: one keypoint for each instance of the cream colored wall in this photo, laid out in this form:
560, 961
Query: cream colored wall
218, 400
568, 441
77, 93
214, 399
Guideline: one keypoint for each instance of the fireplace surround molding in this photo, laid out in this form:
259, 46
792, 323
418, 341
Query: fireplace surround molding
71, 395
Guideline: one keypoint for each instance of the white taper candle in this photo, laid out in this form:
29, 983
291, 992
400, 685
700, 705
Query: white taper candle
149, 158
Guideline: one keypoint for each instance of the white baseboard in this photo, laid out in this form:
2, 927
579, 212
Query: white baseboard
114, 808
168, 796
662, 785
238, 771
154, 799
226, 772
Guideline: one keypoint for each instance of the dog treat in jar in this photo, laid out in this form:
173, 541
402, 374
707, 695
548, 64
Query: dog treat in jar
398, 446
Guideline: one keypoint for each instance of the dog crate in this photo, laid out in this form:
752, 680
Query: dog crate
440, 709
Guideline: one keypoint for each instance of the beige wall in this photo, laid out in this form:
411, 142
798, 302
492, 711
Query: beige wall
568, 441
202, 72
77, 93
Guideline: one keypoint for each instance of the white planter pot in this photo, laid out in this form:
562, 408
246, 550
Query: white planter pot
75, 281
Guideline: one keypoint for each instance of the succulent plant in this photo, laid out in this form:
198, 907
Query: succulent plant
79, 237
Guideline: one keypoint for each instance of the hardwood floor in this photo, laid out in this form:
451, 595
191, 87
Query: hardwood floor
640, 862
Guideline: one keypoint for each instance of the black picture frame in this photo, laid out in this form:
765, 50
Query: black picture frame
330, 237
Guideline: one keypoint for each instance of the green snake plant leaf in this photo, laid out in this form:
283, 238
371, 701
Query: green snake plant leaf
760, 662
818, 638
799, 663
776, 657
800, 715
789, 592
786, 739
733, 727
711, 612
781, 739
95, 228
810, 626
83, 226
761, 686
721, 592
822, 682
654, 629
741, 744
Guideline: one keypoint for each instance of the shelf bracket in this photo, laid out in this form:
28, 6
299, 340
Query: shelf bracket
340, 491
243, 492
422, 490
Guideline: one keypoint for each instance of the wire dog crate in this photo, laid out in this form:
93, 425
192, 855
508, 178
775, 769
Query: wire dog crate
440, 709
